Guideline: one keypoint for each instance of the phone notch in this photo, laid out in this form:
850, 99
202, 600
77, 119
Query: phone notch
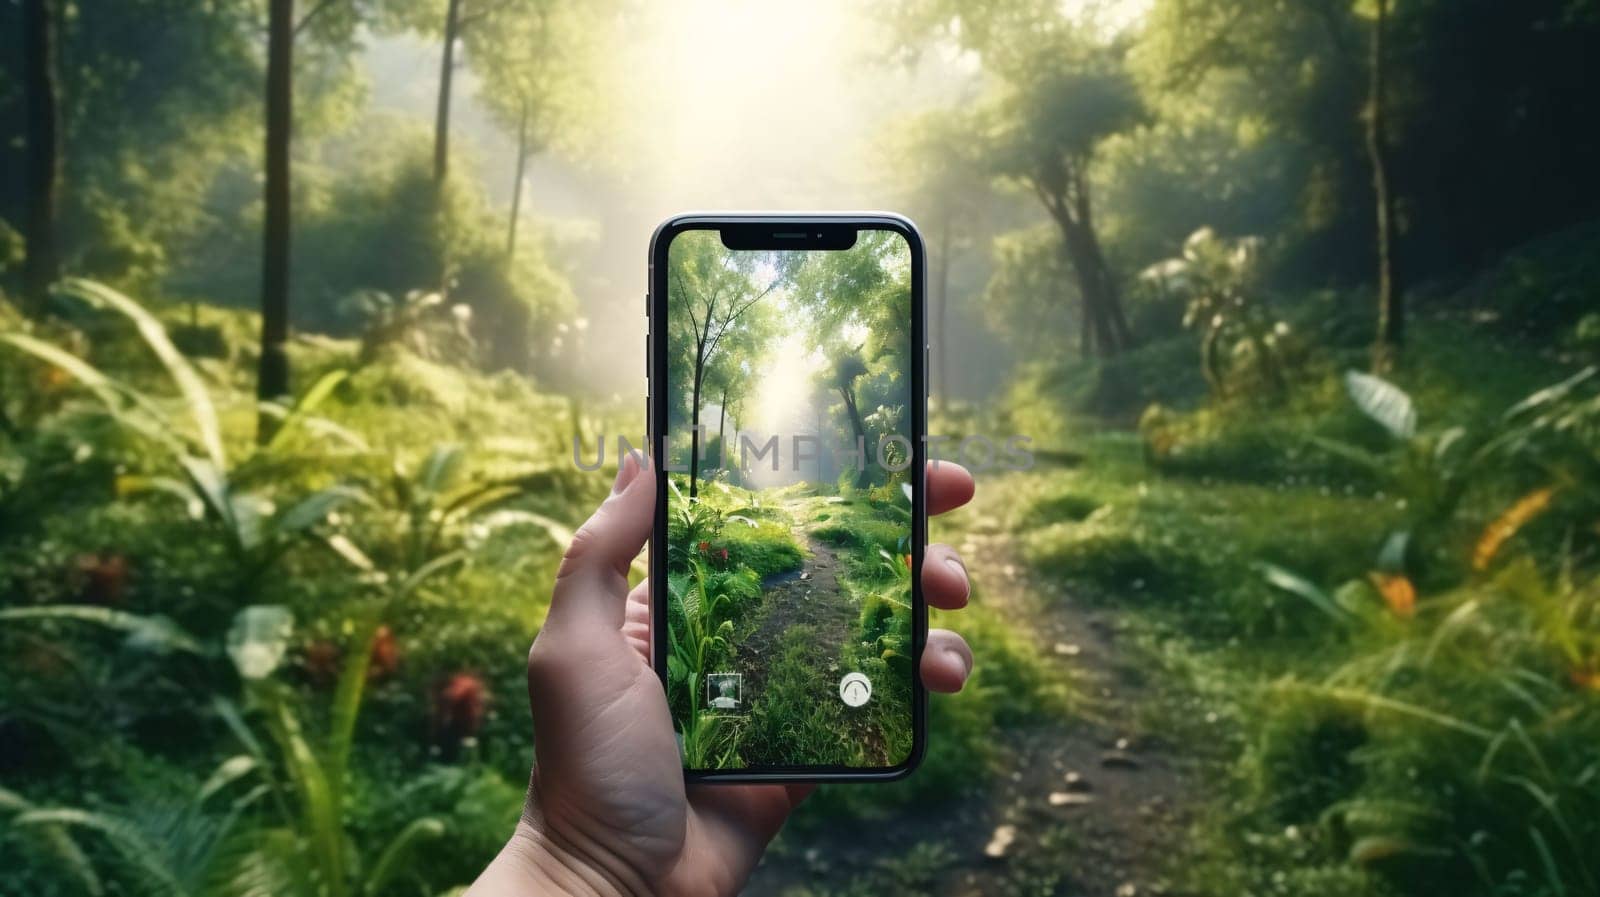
759, 236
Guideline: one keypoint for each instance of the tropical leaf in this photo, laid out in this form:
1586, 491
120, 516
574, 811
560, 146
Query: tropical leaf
321, 826
1392, 556
392, 861
1384, 402
296, 415
559, 532
343, 547
128, 841
1551, 394
440, 467
258, 639
150, 632
189, 384
1297, 585
314, 508
132, 484
227, 772
116, 396
56, 840
211, 483
347, 698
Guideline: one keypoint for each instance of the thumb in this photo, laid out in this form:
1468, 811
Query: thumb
592, 584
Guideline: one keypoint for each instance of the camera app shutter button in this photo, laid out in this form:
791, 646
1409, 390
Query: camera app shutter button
855, 689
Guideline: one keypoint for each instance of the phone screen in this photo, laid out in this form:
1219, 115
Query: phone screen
790, 553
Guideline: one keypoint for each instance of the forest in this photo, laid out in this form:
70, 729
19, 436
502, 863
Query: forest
304, 304
784, 577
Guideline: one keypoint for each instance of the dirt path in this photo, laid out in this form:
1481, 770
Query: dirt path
810, 596
1092, 806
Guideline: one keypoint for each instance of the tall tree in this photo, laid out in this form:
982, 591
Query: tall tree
848, 368
1338, 110
1048, 128
714, 292
1391, 295
447, 71
272, 379
42, 264
1062, 91
539, 73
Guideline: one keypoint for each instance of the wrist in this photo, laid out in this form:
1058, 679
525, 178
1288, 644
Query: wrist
533, 862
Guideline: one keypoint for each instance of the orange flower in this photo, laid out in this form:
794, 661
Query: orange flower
907, 559
1506, 525
1398, 593
385, 654
460, 704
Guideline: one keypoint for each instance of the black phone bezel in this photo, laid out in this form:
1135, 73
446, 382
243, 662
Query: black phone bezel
797, 231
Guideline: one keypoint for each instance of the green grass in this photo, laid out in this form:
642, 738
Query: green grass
1372, 755
767, 548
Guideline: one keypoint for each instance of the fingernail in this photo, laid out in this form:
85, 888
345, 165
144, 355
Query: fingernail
954, 562
963, 659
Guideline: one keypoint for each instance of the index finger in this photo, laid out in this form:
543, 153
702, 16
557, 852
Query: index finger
949, 486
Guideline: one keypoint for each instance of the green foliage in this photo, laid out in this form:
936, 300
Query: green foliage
1241, 347
389, 231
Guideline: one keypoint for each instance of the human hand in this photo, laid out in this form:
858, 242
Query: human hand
608, 811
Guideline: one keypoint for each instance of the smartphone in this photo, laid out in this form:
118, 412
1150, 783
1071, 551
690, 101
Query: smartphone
787, 384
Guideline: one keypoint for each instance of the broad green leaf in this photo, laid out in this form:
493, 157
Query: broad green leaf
314, 508
212, 485
56, 840
259, 638
322, 827
343, 547
129, 843
1551, 394
227, 772
347, 697
439, 468
193, 504
1392, 556
116, 396
1384, 402
1296, 585
183, 374
392, 861
153, 632
308, 402
250, 515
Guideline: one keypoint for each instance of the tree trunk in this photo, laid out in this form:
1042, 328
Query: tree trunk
863, 479
1391, 297
272, 379
1102, 338
940, 315
1106, 325
694, 429
447, 70
516, 185
722, 424
1110, 296
41, 267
